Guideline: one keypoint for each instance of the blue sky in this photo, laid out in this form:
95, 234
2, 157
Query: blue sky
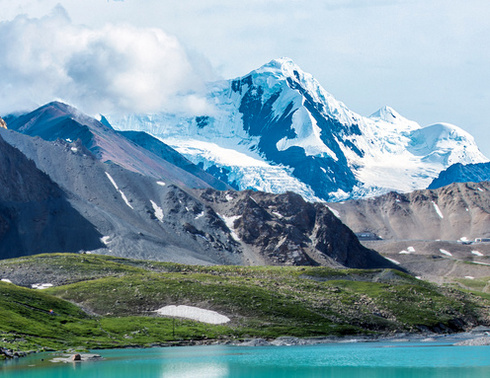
427, 59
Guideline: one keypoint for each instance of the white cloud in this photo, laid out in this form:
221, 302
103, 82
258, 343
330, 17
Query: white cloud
113, 68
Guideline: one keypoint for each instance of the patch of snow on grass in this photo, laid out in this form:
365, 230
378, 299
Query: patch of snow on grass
194, 313
6, 280
444, 252
438, 210
477, 253
469, 277
480, 263
157, 210
161, 183
41, 286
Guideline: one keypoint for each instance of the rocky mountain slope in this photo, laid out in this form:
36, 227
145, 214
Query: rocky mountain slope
143, 216
454, 212
429, 232
462, 173
276, 129
35, 215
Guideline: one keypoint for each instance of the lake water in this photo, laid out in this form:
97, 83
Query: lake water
343, 360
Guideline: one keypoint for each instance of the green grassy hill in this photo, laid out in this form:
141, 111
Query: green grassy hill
103, 301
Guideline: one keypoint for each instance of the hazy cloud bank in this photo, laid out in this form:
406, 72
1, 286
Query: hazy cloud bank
116, 68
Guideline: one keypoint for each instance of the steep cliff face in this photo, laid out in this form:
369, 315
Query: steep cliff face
35, 216
3, 124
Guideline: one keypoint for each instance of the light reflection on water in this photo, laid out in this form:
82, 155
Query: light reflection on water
330, 360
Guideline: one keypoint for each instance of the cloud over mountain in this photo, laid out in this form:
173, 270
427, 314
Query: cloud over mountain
113, 68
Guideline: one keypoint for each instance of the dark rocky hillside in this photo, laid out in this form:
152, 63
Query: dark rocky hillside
143, 217
35, 215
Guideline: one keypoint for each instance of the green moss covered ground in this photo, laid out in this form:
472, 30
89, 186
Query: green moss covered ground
105, 302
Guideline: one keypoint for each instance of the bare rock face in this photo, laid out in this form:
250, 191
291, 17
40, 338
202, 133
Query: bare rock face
459, 210
283, 229
3, 124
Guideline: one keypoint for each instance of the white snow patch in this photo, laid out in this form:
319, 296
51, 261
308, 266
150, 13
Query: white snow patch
6, 280
277, 214
194, 313
157, 210
117, 188
464, 239
112, 180
200, 215
125, 198
74, 149
105, 239
161, 183
476, 253
404, 252
444, 252
480, 263
68, 140
411, 249
229, 223
393, 261
480, 189
438, 210
229, 197
469, 277
418, 277
335, 212
41, 286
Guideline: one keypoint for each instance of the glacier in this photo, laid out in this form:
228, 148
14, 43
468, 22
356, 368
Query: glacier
277, 129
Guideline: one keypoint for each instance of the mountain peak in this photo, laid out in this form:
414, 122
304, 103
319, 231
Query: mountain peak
285, 68
388, 114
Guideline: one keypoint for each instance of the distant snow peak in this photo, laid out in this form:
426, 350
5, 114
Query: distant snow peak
277, 129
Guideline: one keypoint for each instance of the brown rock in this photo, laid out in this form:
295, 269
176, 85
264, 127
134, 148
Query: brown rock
76, 357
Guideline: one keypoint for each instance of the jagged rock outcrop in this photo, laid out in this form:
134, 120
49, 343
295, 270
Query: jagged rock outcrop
285, 229
3, 124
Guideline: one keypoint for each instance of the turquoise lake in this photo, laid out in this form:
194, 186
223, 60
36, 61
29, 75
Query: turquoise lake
343, 360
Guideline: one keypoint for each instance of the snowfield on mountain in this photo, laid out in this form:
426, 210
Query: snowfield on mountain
276, 129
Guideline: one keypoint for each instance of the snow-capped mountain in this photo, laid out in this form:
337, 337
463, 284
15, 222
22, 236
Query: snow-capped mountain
276, 129
462, 173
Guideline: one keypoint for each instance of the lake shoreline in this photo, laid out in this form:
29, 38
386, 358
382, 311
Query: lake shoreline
476, 337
